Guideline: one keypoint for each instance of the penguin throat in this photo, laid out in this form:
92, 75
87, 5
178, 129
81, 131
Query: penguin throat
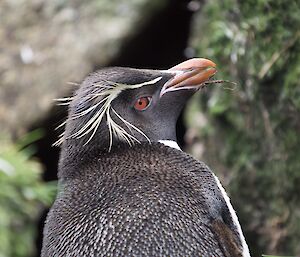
170, 143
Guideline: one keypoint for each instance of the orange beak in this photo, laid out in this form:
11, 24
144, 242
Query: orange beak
190, 74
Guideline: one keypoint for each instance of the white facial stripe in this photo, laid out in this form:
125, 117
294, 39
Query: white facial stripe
108, 91
170, 143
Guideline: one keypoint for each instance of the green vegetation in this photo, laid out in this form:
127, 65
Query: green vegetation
251, 134
22, 197
275, 256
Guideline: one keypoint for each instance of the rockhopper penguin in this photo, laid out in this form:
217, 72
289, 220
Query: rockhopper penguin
125, 187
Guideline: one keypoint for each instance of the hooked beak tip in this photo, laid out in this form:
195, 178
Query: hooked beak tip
190, 74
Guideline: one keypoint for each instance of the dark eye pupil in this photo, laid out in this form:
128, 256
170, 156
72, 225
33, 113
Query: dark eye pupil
142, 103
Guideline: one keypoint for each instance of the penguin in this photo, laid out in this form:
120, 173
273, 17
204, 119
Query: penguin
125, 186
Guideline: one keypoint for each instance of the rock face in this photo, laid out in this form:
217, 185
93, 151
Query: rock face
45, 44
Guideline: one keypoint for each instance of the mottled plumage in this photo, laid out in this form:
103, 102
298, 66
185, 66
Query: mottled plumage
131, 195
148, 200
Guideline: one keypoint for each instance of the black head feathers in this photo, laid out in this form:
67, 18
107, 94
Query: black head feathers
124, 105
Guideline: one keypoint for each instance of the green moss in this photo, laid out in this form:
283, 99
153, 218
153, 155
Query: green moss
255, 133
23, 196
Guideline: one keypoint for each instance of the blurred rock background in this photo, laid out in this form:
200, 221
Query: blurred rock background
248, 133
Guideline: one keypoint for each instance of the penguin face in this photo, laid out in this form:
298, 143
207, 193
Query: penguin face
116, 105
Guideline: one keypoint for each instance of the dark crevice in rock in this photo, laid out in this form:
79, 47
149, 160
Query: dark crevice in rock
48, 154
162, 41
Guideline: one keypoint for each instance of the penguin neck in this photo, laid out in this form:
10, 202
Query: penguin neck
75, 150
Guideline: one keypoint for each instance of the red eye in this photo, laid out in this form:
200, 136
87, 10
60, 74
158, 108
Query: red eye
142, 103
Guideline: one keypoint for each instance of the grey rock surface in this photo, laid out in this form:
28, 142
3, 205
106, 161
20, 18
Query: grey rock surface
46, 44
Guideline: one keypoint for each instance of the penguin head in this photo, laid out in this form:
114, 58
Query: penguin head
124, 105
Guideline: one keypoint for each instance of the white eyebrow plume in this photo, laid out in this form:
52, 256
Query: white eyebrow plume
108, 92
